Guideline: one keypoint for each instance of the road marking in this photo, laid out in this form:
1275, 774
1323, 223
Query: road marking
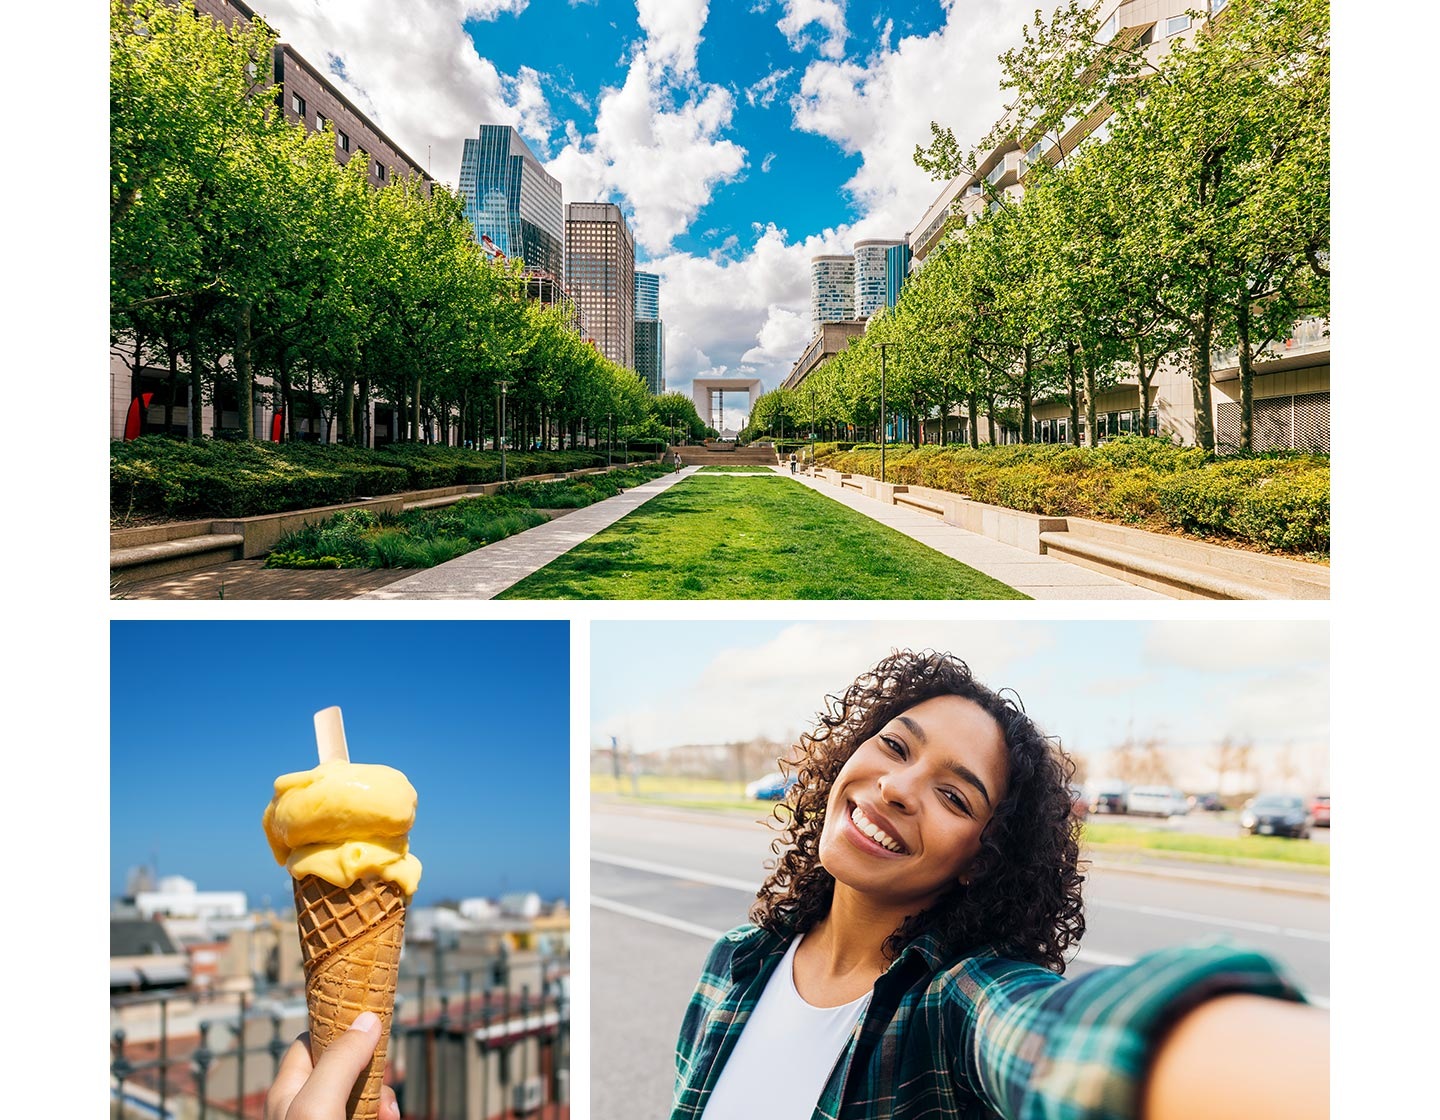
1207, 919
676, 872
1084, 956
657, 919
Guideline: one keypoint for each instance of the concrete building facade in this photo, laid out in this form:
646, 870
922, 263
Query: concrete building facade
832, 289
600, 274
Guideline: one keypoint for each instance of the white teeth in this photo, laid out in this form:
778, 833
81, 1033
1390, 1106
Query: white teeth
872, 830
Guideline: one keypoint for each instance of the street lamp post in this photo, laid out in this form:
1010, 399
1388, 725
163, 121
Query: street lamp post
504, 388
609, 437
812, 430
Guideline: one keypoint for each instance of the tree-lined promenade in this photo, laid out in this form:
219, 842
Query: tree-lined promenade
1196, 218
241, 249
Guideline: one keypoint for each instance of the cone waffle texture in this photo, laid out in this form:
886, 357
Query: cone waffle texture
350, 941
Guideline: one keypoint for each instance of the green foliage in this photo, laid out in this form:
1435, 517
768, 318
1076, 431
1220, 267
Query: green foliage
1278, 502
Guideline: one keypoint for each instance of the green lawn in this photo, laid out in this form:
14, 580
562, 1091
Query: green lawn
712, 537
743, 468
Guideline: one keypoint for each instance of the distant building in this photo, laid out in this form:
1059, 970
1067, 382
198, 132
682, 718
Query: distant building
872, 276
897, 271
512, 202
832, 289
177, 897
600, 273
649, 332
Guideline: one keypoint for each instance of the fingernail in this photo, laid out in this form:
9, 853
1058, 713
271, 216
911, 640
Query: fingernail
365, 1021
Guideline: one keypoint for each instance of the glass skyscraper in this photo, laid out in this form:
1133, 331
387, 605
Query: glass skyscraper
600, 273
649, 332
511, 201
647, 295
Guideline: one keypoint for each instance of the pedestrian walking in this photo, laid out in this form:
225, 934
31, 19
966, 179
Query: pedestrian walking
794, 463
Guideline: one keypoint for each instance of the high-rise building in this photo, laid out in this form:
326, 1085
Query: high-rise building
512, 202
600, 273
647, 295
871, 276
897, 270
649, 332
832, 289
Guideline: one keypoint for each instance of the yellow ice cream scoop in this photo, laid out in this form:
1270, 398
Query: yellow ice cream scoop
344, 820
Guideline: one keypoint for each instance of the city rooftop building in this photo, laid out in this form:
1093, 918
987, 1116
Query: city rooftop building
600, 273
649, 332
512, 202
647, 295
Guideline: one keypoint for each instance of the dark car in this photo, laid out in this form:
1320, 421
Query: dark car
1320, 810
1208, 802
1277, 814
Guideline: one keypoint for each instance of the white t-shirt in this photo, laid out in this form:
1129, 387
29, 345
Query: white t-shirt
785, 1054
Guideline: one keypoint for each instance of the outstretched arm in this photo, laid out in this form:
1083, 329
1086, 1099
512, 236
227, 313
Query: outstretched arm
1242, 1056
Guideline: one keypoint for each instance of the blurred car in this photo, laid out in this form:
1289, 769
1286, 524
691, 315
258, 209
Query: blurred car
772, 787
1157, 801
1079, 806
1320, 810
1277, 814
1108, 796
1208, 802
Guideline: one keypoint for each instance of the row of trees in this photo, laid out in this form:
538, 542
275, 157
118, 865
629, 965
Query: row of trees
240, 247
1194, 217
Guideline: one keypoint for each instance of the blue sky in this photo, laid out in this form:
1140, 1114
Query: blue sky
741, 137
205, 716
1093, 684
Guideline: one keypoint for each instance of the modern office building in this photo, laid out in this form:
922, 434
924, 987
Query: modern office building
647, 295
897, 270
305, 96
649, 332
1291, 385
512, 202
832, 289
600, 274
872, 276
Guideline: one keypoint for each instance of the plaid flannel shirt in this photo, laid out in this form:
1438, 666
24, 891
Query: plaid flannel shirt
977, 1037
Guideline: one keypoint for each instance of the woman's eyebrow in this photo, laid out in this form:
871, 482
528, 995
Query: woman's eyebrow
913, 727
959, 769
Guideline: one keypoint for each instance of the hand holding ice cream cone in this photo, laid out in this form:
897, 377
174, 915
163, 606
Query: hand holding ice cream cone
342, 831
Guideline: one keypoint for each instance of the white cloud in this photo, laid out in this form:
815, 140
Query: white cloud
494, 9
828, 14
764, 92
672, 29
1238, 646
882, 108
766, 163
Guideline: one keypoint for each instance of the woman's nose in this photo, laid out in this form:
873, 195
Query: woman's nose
894, 787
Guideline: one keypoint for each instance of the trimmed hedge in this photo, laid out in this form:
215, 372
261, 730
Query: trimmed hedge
225, 478
1277, 502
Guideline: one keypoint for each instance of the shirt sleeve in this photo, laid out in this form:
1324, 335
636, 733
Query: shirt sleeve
1036, 1047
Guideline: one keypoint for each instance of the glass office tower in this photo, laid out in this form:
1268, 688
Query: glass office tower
512, 201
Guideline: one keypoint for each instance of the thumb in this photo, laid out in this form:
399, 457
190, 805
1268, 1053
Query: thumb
326, 1092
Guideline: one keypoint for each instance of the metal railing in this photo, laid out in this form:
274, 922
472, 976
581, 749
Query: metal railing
183, 1055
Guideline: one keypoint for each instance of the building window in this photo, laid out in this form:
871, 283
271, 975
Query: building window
1216, 6
320, 122
344, 142
298, 104
379, 170
1108, 28
1176, 24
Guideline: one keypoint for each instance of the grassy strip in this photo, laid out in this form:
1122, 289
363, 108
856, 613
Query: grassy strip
1275, 502
1273, 849
724, 538
422, 538
743, 468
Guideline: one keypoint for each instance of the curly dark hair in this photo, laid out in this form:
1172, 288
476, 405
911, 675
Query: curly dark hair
1023, 896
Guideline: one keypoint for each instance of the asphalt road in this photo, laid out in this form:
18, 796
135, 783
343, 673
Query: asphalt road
664, 884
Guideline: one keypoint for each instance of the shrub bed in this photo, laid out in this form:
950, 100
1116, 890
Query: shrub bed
1276, 502
229, 478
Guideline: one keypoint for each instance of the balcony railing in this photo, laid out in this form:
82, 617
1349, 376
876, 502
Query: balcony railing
182, 1056
1308, 336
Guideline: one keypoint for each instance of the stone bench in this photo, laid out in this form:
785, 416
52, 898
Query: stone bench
181, 554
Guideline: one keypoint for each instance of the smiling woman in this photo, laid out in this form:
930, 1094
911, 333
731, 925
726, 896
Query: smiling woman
906, 949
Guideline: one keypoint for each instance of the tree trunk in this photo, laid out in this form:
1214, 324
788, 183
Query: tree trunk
197, 377
416, 419
1027, 395
1147, 385
1073, 386
1092, 434
244, 372
287, 424
1200, 374
173, 353
346, 425
972, 405
1247, 372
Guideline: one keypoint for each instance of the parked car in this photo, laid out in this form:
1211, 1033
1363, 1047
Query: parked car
1277, 814
1108, 796
1320, 810
772, 787
1079, 805
1209, 802
1157, 801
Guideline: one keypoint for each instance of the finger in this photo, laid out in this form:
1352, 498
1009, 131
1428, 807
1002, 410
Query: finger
325, 1093
389, 1106
290, 1078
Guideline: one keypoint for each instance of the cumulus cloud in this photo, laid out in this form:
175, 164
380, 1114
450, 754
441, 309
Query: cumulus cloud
828, 15
672, 30
494, 9
764, 92
1237, 646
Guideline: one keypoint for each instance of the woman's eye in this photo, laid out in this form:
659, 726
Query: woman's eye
956, 800
894, 746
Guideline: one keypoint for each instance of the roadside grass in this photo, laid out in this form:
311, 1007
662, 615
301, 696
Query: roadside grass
743, 468
1238, 848
727, 538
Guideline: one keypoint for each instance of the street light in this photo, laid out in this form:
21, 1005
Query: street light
609, 437
504, 387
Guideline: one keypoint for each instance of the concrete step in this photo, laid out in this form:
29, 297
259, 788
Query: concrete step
169, 557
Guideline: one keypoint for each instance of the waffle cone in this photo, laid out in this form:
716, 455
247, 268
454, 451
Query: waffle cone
350, 943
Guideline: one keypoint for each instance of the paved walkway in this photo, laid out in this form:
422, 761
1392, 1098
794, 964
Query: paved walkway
486, 572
